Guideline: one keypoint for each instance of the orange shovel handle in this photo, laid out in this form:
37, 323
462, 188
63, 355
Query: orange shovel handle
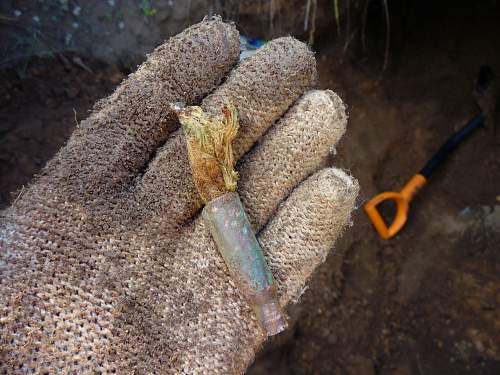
402, 200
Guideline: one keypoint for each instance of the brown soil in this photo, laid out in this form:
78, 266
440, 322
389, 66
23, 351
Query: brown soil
426, 302
39, 113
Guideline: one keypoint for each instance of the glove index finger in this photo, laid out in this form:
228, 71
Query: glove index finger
108, 149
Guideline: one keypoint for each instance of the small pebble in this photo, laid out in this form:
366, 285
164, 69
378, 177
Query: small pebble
68, 38
465, 212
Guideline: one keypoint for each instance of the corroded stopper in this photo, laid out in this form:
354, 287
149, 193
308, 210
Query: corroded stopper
243, 255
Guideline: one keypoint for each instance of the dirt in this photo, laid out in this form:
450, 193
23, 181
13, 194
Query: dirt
39, 112
425, 302
122, 32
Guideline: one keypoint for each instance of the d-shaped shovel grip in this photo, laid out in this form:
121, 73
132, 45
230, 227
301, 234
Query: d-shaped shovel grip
401, 199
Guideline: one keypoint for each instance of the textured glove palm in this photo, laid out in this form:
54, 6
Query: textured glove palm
105, 264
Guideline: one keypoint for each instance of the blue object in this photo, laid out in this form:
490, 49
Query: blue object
248, 46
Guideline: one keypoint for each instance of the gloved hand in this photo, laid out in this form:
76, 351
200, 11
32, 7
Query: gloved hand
106, 266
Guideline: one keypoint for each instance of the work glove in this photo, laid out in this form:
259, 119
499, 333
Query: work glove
106, 265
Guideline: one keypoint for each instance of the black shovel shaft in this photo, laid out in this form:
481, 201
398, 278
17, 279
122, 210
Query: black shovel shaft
451, 144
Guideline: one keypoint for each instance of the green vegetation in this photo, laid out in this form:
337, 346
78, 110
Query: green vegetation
147, 8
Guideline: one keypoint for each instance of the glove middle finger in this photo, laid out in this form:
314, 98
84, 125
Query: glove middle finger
261, 88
